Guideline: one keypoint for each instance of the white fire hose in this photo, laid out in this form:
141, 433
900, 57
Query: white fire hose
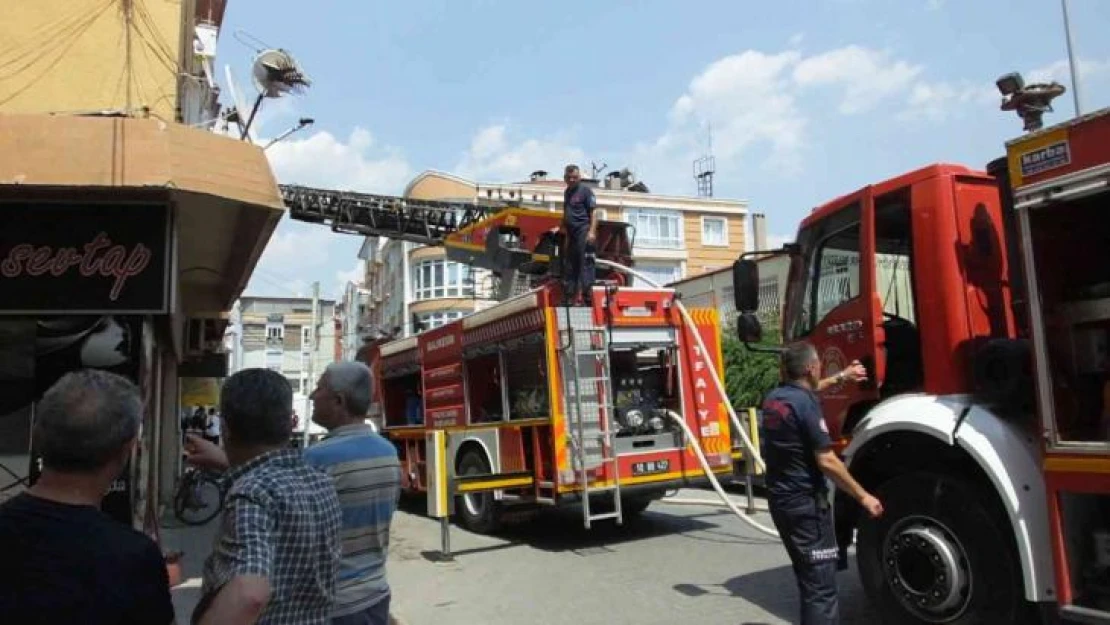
745, 440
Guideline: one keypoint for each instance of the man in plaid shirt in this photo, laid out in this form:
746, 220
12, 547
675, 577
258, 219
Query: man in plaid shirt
277, 555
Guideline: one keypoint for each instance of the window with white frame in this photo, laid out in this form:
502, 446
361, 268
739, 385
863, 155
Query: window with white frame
436, 278
659, 273
306, 338
275, 337
440, 317
656, 228
714, 231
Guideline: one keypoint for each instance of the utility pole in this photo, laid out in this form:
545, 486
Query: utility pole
312, 343
1071, 60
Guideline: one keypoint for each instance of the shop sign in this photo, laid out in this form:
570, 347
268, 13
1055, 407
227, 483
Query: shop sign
84, 258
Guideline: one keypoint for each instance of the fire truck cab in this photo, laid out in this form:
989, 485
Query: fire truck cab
979, 307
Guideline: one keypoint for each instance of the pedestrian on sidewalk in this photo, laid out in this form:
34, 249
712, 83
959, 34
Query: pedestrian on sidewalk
62, 560
276, 557
367, 477
798, 453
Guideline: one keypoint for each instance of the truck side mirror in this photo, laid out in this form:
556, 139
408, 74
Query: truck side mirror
748, 328
745, 285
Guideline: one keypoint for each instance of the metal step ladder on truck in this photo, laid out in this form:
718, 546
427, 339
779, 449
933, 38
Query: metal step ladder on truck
980, 304
543, 404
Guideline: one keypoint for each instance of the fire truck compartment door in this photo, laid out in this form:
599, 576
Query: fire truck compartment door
1007, 455
642, 336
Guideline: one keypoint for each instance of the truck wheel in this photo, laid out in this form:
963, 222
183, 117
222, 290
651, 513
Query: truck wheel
477, 512
939, 555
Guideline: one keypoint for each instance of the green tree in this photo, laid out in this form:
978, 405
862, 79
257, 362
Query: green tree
749, 375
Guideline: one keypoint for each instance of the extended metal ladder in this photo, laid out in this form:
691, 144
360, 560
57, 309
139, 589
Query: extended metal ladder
426, 222
587, 390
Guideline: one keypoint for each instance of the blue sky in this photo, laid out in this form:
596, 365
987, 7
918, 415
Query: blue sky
808, 100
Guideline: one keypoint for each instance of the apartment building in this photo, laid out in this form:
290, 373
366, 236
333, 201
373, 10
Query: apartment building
413, 286
277, 333
109, 106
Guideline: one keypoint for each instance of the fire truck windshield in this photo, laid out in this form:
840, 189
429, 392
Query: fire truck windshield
825, 272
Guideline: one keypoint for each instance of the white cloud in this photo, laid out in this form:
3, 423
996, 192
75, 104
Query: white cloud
749, 101
299, 253
495, 155
754, 103
1060, 71
865, 75
325, 161
796, 39
935, 101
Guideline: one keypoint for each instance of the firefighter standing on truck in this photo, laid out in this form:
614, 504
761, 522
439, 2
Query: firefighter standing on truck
580, 229
798, 454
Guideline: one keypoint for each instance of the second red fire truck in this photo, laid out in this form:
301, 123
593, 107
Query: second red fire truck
544, 404
979, 301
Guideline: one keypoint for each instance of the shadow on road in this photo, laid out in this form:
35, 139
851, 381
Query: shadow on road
774, 590
562, 530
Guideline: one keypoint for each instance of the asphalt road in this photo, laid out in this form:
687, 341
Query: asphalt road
678, 564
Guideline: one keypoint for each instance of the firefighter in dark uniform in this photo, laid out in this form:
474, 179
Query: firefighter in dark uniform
798, 453
580, 229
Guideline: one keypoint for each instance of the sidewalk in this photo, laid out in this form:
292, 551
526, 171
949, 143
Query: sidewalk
196, 544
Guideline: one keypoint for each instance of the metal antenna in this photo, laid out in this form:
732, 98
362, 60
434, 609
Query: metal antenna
705, 167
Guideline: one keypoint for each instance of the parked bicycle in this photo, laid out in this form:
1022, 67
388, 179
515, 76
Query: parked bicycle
199, 496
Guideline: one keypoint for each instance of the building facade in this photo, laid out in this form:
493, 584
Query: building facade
102, 111
413, 287
277, 333
350, 313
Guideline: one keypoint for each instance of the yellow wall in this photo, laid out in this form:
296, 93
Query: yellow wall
71, 55
433, 187
702, 258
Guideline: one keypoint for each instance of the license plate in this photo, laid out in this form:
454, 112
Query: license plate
650, 467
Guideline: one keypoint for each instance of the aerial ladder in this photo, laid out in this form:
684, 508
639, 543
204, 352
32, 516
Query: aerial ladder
516, 244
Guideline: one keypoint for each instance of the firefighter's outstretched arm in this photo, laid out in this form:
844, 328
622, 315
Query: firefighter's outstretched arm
855, 372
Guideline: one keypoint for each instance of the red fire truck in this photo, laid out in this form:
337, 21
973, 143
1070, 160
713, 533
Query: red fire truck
543, 403
977, 302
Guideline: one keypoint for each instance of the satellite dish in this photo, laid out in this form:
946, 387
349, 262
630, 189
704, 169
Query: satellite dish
276, 73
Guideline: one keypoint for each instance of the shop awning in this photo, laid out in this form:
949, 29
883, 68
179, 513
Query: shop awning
226, 197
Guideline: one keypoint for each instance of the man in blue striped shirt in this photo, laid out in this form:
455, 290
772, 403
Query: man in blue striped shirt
367, 476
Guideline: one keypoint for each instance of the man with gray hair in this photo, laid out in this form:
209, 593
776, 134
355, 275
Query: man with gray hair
367, 476
64, 561
799, 454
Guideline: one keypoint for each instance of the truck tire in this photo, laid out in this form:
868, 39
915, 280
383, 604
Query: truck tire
940, 555
477, 512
